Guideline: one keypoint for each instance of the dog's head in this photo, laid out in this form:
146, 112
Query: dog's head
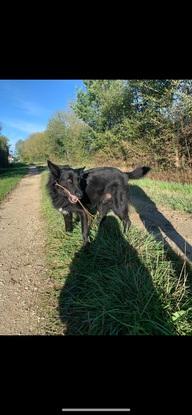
67, 177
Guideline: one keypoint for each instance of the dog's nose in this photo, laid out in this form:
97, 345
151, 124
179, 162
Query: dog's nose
79, 194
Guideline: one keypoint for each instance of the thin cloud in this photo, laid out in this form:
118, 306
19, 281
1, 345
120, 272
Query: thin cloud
18, 100
24, 126
30, 108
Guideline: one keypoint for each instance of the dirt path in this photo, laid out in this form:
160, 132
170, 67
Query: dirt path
173, 227
23, 273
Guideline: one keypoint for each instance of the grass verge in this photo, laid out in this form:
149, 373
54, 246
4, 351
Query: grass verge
9, 179
176, 196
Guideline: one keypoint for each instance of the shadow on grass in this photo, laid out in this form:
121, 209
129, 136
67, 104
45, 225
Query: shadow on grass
20, 169
12, 171
156, 223
32, 169
109, 291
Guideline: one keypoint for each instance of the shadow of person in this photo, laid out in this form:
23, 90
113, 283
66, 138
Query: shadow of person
156, 223
109, 291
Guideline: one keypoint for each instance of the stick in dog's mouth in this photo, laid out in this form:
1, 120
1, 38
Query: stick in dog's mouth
73, 199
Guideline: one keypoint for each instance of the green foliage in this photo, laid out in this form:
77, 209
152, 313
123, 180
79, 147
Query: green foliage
104, 104
66, 138
137, 120
33, 149
138, 111
4, 151
18, 148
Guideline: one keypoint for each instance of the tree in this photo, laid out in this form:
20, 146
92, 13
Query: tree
181, 114
66, 136
133, 120
126, 112
65, 139
4, 151
18, 148
33, 148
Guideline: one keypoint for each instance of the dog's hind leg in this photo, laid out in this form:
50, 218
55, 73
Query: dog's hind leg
126, 224
120, 207
123, 215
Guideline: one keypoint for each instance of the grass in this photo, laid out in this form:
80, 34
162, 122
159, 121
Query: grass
176, 196
9, 178
119, 286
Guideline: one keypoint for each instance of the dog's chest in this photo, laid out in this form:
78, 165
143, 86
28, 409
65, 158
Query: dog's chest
63, 211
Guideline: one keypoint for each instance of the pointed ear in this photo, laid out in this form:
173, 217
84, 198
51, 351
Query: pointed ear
55, 170
80, 170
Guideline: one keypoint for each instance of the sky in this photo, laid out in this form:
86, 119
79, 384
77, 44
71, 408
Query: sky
27, 105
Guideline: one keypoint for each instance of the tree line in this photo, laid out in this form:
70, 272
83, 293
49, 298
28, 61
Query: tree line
125, 120
4, 150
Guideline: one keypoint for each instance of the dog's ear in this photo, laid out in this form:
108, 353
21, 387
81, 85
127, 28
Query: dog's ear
80, 170
55, 170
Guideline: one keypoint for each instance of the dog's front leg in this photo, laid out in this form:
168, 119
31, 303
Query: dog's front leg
84, 227
68, 219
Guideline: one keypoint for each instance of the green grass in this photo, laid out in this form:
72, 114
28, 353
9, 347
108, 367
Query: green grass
9, 179
119, 286
177, 196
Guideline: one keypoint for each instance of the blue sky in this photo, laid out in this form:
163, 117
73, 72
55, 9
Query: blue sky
27, 105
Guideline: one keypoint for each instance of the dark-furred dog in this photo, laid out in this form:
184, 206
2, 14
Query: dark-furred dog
99, 190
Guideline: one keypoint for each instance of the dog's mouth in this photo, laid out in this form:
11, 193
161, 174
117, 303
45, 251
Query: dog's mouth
73, 199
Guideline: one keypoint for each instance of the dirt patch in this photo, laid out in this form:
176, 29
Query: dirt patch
23, 273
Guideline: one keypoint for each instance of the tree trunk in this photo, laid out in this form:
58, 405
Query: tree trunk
177, 158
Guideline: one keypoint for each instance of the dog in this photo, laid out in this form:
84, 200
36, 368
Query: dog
94, 190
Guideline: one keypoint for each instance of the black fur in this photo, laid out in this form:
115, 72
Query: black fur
69, 178
100, 189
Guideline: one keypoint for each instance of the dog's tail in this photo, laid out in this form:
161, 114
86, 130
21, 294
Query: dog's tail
138, 172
